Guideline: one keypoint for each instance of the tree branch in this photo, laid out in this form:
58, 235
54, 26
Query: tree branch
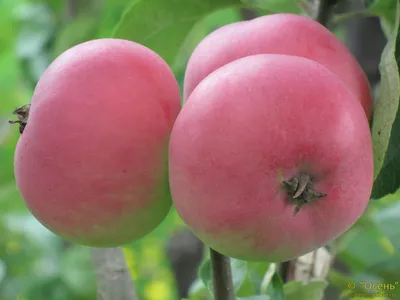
324, 11
71, 8
343, 17
112, 275
222, 276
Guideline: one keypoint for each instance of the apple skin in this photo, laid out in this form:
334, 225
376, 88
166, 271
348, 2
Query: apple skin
252, 124
288, 34
91, 163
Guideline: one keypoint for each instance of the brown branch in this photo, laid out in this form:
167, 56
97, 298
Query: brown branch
222, 276
71, 8
112, 275
324, 11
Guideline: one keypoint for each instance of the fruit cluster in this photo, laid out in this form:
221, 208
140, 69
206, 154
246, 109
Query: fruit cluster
269, 158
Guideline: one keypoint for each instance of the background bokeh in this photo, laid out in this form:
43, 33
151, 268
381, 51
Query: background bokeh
37, 265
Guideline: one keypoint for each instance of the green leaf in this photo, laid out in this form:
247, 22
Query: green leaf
10, 199
257, 271
272, 284
80, 30
267, 278
257, 297
382, 8
7, 150
248, 287
77, 271
386, 10
164, 25
198, 290
48, 288
386, 120
239, 271
31, 41
276, 288
297, 290
343, 282
199, 31
364, 250
206, 274
387, 220
276, 6
37, 28
2, 271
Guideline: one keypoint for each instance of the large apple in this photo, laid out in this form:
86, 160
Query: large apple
91, 163
278, 34
270, 158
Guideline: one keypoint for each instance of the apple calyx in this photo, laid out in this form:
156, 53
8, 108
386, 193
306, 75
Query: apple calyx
22, 114
300, 190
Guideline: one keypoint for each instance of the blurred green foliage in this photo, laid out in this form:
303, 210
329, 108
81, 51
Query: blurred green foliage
35, 264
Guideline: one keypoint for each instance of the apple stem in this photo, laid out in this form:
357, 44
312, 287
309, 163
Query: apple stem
324, 10
222, 276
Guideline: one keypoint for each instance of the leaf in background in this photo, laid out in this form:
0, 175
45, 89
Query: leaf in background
7, 32
257, 297
364, 250
341, 281
206, 274
31, 41
257, 271
388, 220
164, 25
387, 270
78, 31
37, 25
55, 5
110, 16
386, 10
7, 150
297, 290
49, 288
2, 270
267, 278
12, 92
276, 288
199, 31
239, 271
77, 271
10, 199
197, 290
221, 18
386, 120
247, 288
383, 257
276, 6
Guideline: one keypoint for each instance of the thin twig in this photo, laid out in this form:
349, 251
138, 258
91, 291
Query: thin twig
343, 17
112, 275
324, 11
306, 6
222, 276
71, 8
